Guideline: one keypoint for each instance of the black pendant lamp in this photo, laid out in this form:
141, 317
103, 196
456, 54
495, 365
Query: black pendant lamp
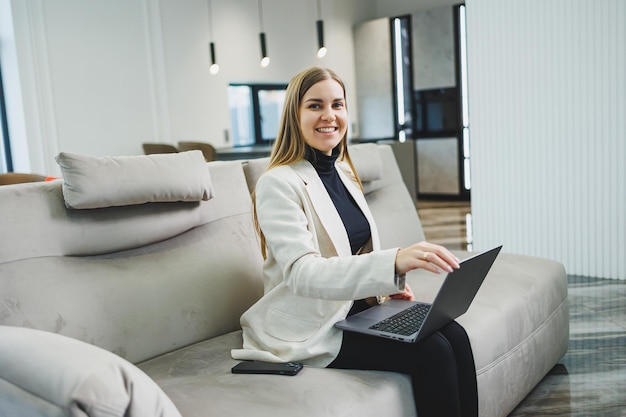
214, 69
265, 59
321, 49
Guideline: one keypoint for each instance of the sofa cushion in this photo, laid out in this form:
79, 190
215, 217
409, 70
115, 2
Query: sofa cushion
46, 374
199, 381
367, 161
365, 157
137, 280
391, 204
95, 182
517, 325
253, 169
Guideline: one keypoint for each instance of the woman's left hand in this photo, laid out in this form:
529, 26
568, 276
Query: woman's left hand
407, 294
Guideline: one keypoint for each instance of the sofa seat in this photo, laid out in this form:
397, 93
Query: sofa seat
518, 325
514, 318
198, 380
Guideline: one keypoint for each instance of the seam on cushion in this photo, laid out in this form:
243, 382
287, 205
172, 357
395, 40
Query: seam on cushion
101, 408
46, 400
86, 256
523, 342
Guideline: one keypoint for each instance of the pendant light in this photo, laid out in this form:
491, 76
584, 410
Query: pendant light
214, 69
265, 59
321, 51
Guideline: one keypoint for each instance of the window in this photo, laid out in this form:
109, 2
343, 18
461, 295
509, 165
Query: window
255, 111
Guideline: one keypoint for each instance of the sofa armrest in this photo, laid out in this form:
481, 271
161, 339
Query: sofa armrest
43, 373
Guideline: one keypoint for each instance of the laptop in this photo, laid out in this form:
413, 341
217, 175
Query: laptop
390, 318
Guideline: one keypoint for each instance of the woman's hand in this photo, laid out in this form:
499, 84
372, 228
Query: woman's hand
426, 255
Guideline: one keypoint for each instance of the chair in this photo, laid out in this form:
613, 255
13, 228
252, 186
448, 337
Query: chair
19, 178
151, 148
207, 149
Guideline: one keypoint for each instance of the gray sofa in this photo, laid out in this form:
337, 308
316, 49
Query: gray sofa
133, 310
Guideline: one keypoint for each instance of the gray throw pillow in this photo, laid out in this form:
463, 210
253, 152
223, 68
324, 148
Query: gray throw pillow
46, 374
95, 182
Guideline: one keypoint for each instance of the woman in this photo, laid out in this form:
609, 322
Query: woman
323, 261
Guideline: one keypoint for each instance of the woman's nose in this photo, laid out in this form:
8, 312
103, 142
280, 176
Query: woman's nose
328, 114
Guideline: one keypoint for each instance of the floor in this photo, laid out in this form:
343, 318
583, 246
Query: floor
590, 380
447, 223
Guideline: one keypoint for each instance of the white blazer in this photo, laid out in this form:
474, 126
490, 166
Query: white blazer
310, 275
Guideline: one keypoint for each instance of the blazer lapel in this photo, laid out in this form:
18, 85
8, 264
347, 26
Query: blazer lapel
359, 198
324, 208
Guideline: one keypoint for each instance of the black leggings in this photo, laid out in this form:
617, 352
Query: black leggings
441, 367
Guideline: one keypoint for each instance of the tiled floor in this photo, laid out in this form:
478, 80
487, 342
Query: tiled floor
447, 223
590, 380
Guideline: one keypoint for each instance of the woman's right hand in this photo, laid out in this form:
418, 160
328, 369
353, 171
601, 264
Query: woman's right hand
425, 255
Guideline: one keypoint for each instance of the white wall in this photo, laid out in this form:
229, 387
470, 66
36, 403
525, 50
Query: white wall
101, 77
547, 102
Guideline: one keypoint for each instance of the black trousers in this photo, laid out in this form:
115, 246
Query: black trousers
441, 368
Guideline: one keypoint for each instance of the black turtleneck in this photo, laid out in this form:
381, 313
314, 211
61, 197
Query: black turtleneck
353, 219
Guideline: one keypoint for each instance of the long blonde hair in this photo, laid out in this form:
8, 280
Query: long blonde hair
290, 145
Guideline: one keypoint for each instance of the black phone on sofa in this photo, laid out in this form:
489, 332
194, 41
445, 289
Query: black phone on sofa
255, 367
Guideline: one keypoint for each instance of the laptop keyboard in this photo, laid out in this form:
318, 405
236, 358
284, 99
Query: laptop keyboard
405, 322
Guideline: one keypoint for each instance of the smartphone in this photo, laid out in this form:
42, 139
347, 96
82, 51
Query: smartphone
254, 367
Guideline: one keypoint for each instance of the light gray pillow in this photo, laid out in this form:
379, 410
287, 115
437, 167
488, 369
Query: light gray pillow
95, 182
46, 374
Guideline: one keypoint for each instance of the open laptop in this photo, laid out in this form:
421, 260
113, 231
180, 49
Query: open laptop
453, 299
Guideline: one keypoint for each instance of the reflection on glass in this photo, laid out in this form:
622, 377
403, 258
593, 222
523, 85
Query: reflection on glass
240, 104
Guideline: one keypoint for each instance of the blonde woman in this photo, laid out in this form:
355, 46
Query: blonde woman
323, 261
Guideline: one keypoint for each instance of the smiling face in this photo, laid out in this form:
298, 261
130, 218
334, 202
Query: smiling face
323, 115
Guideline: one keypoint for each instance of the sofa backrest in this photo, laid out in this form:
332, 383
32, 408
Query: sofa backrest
137, 280
147, 279
389, 200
